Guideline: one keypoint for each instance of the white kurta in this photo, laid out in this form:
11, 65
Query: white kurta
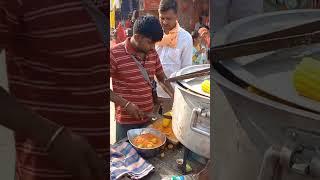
174, 59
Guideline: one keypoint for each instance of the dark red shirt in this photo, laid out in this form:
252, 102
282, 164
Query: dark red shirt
57, 68
128, 24
128, 82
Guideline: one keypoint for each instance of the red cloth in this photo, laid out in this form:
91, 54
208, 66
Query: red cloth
56, 68
121, 34
128, 24
128, 82
112, 43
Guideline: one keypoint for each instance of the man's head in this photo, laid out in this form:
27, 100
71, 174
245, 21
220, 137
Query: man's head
146, 32
168, 14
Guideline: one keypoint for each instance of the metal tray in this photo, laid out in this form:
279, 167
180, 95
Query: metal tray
194, 84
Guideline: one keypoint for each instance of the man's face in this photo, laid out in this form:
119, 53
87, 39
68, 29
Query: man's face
168, 20
144, 44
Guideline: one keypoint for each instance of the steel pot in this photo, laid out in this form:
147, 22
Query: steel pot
191, 113
255, 137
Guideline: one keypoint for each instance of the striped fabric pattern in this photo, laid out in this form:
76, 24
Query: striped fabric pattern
124, 160
128, 81
57, 67
315, 4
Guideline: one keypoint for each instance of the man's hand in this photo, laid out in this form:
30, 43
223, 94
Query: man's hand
75, 155
131, 108
134, 111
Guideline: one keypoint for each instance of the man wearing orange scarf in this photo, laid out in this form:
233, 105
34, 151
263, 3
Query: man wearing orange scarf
175, 48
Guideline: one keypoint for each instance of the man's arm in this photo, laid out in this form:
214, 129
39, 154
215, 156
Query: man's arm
117, 99
131, 108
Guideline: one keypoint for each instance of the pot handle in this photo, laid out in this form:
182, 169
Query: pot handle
194, 121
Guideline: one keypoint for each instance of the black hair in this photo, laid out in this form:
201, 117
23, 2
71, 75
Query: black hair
200, 19
148, 26
195, 35
166, 5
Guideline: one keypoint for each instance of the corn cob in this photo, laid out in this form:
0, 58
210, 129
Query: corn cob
306, 78
205, 86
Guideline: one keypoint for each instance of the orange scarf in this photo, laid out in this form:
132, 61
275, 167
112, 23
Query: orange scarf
171, 39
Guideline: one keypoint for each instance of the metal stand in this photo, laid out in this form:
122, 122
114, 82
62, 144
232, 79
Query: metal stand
185, 158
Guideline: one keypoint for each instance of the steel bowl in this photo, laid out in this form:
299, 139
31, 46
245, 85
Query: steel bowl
146, 152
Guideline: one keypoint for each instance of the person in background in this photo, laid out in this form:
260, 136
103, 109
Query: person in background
56, 104
129, 23
135, 16
132, 93
175, 48
120, 33
199, 24
205, 37
199, 52
129, 32
112, 38
207, 22
205, 42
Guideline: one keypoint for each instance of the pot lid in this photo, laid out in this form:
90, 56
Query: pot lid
271, 72
194, 84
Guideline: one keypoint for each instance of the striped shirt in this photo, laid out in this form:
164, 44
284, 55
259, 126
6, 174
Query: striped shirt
128, 82
57, 68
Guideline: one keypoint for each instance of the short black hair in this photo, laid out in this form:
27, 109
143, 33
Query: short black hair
148, 26
166, 5
195, 35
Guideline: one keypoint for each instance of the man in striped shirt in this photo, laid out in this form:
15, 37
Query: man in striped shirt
57, 67
132, 93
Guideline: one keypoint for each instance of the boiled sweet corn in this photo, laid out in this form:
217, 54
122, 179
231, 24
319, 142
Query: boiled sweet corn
205, 86
306, 78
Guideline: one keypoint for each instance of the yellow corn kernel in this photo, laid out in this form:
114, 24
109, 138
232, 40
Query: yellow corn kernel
306, 78
205, 86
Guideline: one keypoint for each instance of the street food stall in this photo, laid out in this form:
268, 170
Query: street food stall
175, 143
